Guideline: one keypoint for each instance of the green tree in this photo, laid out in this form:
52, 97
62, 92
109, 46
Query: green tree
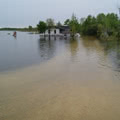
50, 23
59, 24
89, 26
67, 22
30, 28
102, 26
74, 25
42, 27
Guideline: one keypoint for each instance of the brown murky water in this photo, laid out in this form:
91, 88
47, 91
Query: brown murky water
80, 83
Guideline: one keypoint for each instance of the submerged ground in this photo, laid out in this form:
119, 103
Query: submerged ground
81, 81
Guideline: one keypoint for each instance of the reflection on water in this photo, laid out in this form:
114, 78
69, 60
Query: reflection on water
76, 79
110, 49
25, 50
74, 47
47, 48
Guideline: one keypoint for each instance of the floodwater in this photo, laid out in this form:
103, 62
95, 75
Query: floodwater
62, 80
24, 50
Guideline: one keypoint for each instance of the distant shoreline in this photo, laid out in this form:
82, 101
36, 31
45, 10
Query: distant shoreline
19, 29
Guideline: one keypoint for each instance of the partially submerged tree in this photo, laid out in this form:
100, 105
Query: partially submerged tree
102, 26
50, 24
30, 28
74, 25
42, 27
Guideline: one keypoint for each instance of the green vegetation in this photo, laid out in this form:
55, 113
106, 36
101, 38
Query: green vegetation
29, 29
67, 22
74, 25
59, 24
42, 27
103, 26
50, 23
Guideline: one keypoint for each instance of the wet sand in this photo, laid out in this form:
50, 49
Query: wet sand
61, 90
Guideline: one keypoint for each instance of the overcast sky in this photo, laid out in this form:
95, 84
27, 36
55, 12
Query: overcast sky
21, 13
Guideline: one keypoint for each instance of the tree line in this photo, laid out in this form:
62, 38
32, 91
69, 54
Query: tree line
103, 26
26, 29
49, 24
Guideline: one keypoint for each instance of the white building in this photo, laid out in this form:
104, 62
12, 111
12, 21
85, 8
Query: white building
58, 31
54, 31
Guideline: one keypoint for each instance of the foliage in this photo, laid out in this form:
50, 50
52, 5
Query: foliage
67, 22
73, 24
30, 28
19, 29
42, 27
50, 23
59, 24
89, 26
101, 26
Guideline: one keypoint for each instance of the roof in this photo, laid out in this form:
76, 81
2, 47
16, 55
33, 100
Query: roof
64, 27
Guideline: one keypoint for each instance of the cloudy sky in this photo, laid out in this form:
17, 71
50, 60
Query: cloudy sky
21, 13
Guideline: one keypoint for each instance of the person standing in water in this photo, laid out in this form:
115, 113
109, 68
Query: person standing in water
14, 34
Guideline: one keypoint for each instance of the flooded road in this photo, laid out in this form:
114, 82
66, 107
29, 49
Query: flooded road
80, 81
